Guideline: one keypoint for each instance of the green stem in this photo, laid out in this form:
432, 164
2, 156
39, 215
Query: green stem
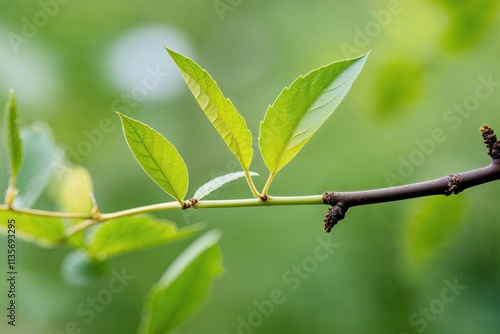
11, 193
271, 201
78, 227
49, 214
139, 210
268, 184
254, 190
100, 217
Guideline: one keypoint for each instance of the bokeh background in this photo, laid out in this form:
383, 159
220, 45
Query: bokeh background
433, 68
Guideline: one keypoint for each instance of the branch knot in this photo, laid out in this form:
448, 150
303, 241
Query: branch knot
335, 214
454, 185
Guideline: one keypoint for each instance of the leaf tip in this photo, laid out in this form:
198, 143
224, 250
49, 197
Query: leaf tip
172, 53
122, 116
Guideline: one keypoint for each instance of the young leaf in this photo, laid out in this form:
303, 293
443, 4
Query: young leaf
300, 110
43, 231
74, 186
42, 157
219, 110
157, 156
183, 286
218, 182
12, 139
130, 234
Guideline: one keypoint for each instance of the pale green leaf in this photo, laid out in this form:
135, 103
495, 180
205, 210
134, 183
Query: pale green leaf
218, 182
12, 138
300, 110
43, 231
183, 286
73, 190
42, 158
130, 234
432, 224
157, 156
219, 110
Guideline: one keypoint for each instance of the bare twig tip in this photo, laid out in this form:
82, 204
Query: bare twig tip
491, 142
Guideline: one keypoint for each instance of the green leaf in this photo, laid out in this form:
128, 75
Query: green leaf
157, 156
72, 190
43, 231
183, 286
219, 110
42, 158
432, 223
218, 182
12, 139
300, 110
130, 234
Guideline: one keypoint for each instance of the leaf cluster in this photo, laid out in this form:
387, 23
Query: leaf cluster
37, 163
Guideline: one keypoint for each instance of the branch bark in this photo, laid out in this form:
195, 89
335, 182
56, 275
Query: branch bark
452, 184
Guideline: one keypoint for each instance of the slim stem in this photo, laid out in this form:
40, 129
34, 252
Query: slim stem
139, 210
271, 201
254, 190
79, 227
49, 214
265, 190
100, 217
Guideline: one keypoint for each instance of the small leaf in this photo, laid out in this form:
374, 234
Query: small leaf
432, 223
157, 156
183, 286
300, 110
12, 139
130, 234
41, 157
73, 188
218, 182
219, 110
43, 231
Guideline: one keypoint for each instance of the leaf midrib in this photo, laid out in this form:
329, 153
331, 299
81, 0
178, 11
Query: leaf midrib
274, 171
232, 136
152, 158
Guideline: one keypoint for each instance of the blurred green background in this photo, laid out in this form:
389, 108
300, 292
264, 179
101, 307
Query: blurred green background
392, 265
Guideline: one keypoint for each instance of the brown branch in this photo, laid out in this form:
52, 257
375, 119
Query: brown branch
452, 184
